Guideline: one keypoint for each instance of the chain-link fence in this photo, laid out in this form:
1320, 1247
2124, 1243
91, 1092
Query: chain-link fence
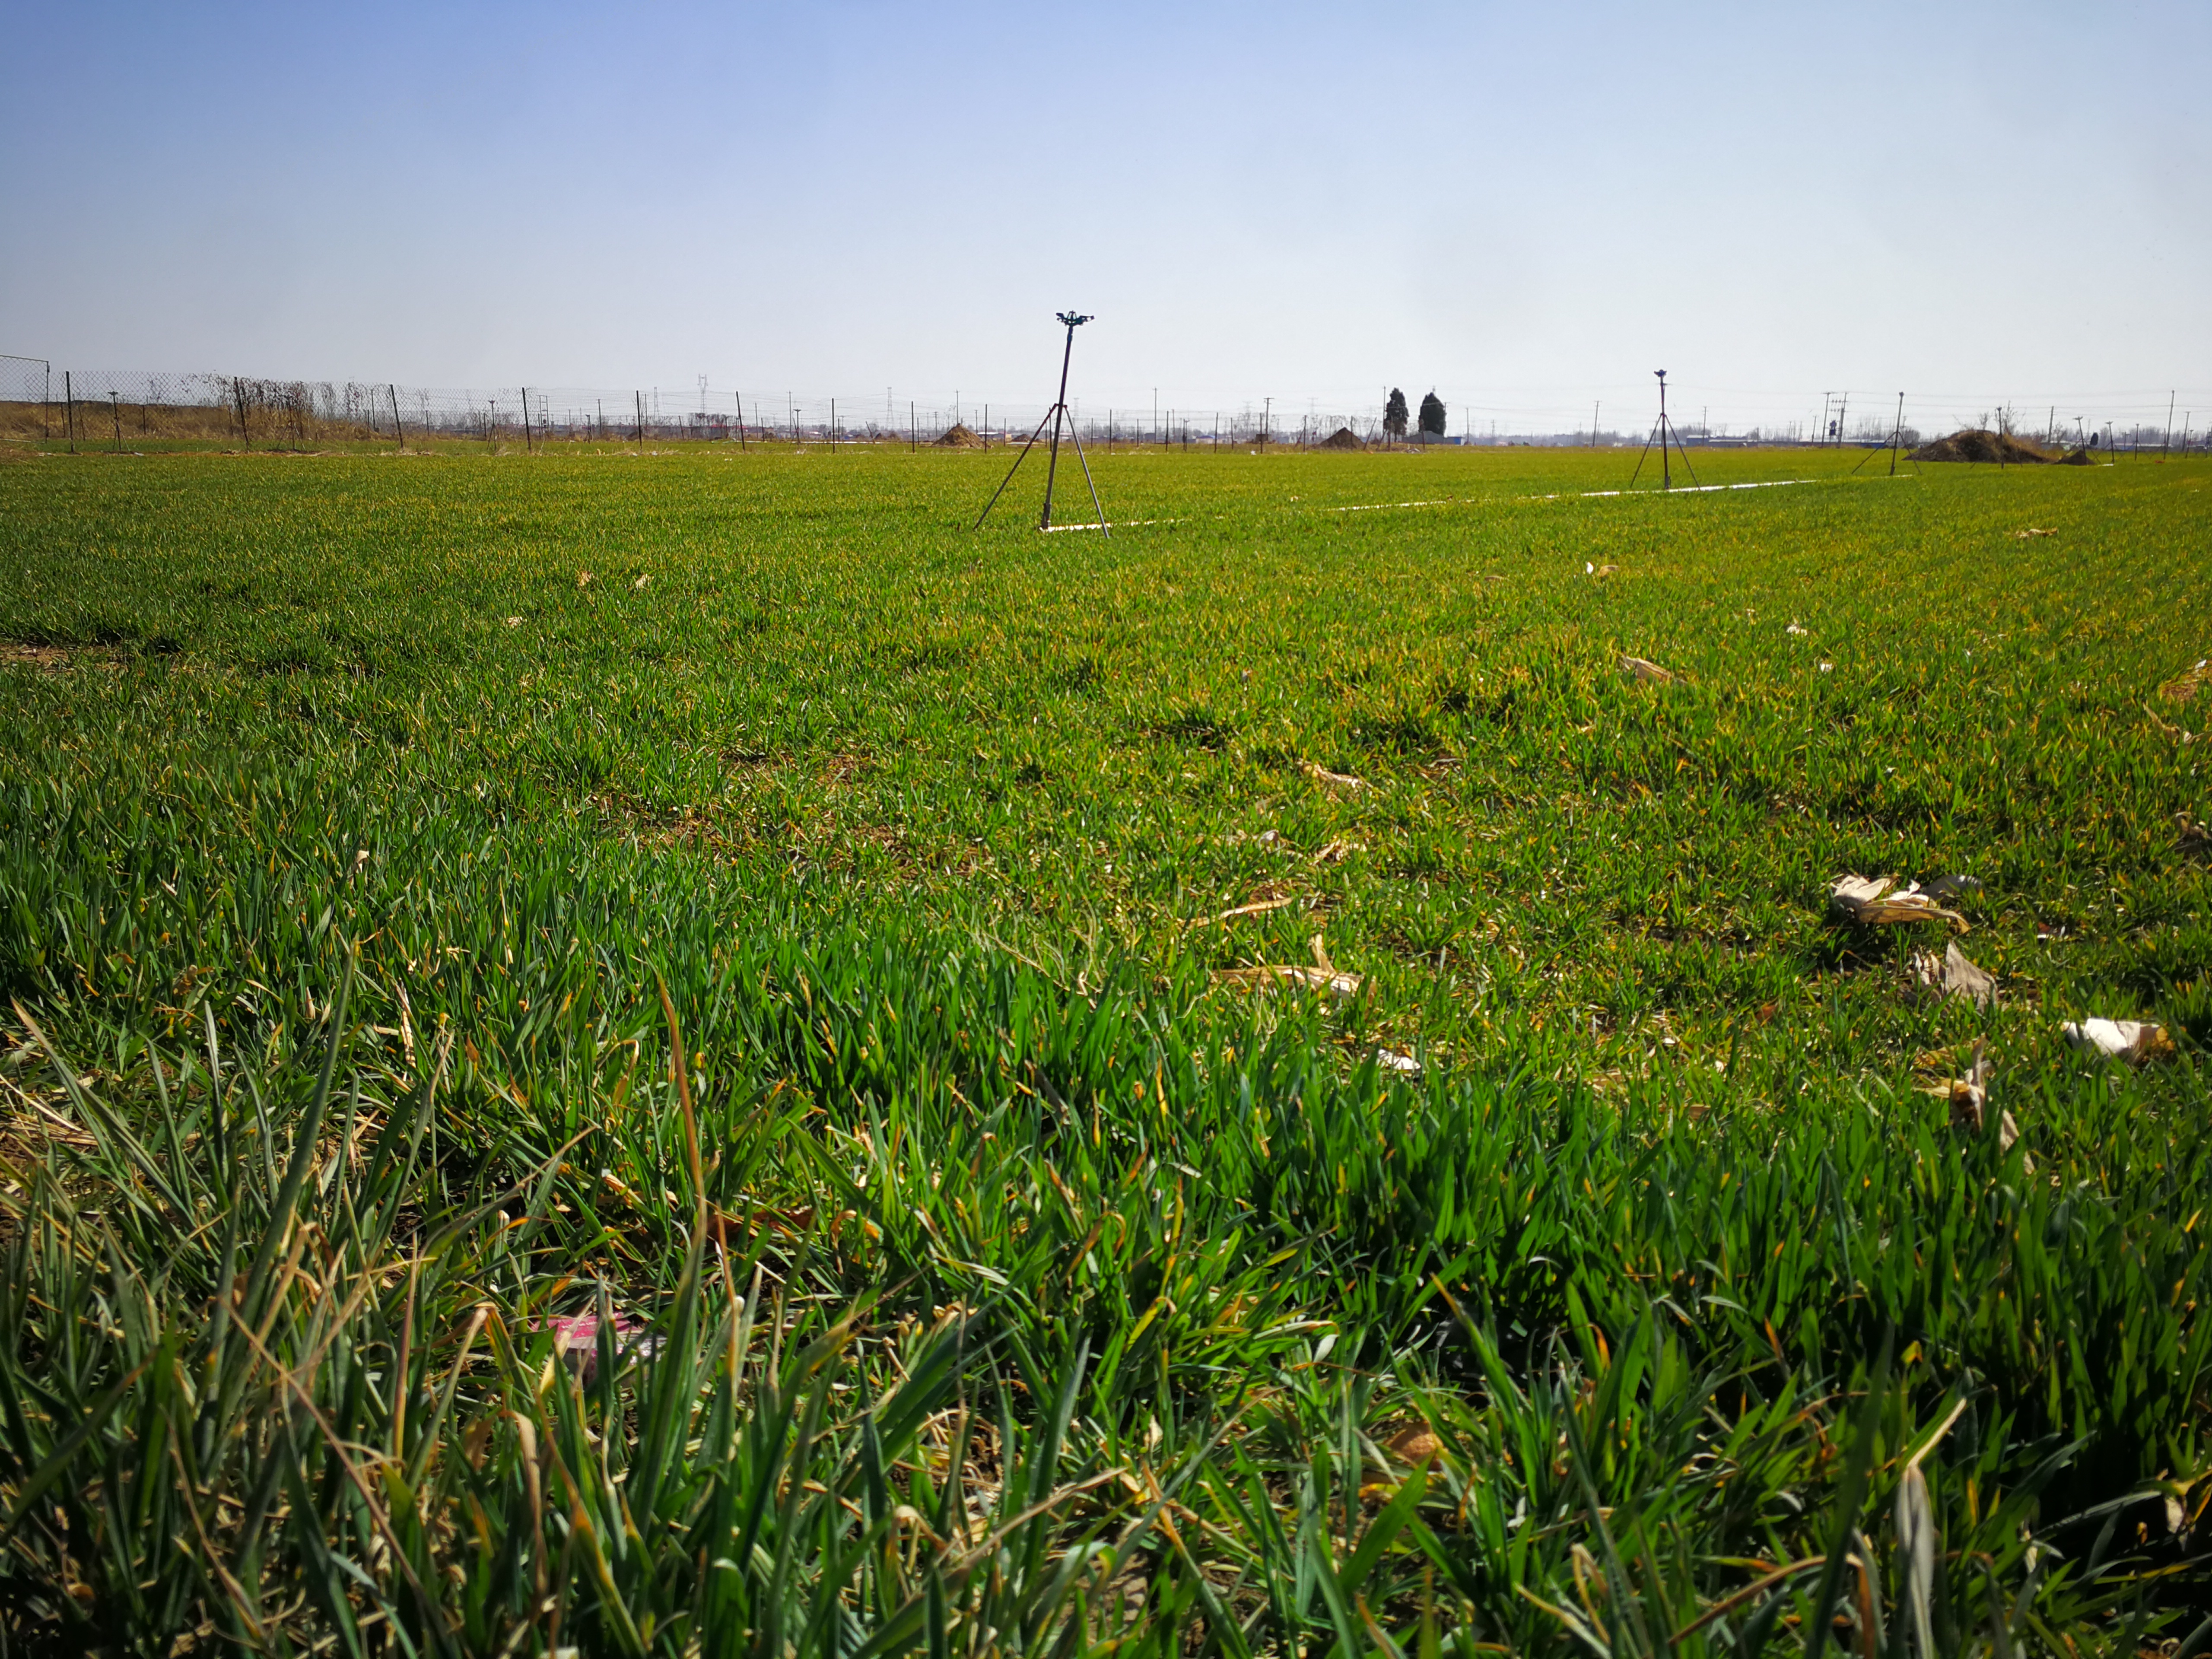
79, 407
122, 409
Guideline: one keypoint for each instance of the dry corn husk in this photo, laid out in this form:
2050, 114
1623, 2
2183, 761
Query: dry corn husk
1969, 1098
1323, 977
2134, 1040
1878, 902
1952, 976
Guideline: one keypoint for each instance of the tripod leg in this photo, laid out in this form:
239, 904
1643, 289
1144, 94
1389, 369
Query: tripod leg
1052, 462
1685, 454
1102, 530
1639, 473
1010, 470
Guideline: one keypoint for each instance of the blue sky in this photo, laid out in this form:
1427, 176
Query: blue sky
1528, 208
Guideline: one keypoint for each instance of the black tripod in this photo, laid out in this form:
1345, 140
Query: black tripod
1056, 414
1662, 434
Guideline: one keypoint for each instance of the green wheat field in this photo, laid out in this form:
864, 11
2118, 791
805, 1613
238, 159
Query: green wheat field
677, 1052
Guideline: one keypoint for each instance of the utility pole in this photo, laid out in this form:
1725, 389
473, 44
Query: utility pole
1593, 410
2168, 444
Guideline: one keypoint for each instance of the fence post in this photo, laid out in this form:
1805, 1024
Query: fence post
69, 410
238, 393
913, 432
640, 395
115, 411
398, 425
525, 420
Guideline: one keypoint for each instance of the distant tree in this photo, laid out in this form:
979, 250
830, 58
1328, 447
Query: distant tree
1432, 415
1393, 415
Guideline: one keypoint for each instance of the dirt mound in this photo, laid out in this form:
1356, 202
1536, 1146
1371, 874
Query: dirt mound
1343, 438
957, 436
2077, 457
1991, 448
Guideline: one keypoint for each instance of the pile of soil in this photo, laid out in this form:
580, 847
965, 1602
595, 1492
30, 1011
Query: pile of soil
1991, 448
957, 436
1343, 438
2077, 457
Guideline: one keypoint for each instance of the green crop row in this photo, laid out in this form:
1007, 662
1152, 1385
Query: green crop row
723, 896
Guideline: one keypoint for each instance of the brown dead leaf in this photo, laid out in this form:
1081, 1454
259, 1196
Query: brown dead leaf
1952, 976
583, 579
1877, 901
2184, 685
1336, 852
1644, 672
1414, 1448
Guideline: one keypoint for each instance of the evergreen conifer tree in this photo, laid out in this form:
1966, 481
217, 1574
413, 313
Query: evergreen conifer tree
1393, 415
1432, 415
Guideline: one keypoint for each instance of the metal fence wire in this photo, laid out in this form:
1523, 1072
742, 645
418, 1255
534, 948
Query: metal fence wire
115, 408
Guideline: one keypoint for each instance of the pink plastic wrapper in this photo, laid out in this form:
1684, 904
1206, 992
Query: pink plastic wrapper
576, 1339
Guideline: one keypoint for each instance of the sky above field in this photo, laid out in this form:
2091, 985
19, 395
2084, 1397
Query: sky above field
1528, 208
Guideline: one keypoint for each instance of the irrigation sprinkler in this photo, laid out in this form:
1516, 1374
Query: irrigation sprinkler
1662, 432
1058, 414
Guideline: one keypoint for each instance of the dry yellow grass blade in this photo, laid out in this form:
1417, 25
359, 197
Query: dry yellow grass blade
1644, 672
1257, 907
1337, 780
